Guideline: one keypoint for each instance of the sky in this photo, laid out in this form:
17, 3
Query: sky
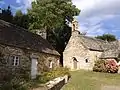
97, 17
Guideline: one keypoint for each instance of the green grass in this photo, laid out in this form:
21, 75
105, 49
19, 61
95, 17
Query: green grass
88, 80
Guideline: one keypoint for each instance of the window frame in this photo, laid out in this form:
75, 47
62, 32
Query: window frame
15, 61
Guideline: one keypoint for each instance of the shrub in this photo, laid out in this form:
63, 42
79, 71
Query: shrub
57, 72
99, 66
111, 66
105, 66
13, 80
21, 80
15, 83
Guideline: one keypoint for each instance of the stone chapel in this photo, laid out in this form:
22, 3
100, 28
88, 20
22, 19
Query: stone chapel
82, 51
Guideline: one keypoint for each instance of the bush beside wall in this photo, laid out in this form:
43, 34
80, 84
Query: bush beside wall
108, 66
57, 72
21, 81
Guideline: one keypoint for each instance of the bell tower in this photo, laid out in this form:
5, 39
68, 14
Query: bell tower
75, 30
74, 25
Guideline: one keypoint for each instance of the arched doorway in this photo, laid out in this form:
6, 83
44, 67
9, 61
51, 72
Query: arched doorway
75, 63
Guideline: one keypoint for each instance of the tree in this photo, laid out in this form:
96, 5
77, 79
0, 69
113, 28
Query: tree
19, 13
107, 37
6, 14
21, 19
59, 39
51, 14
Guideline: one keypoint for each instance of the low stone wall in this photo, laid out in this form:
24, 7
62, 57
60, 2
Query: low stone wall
58, 86
55, 84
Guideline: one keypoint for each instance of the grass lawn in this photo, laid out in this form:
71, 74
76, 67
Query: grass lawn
88, 80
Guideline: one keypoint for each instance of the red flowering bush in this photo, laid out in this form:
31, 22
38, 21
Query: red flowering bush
111, 66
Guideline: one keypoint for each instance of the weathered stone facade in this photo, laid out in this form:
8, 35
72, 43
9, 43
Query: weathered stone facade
7, 52
72, 51
75, 49
82, 51
24, 52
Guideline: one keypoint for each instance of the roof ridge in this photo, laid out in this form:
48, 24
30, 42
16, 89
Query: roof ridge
18, 27
92, 38
27, 38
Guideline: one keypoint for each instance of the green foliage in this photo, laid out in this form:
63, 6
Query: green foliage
60, 38
51, 14
15, 84
108, 66
99, 66
107, 37
6, 14
21, 19
58, 72
14, 81
19, 82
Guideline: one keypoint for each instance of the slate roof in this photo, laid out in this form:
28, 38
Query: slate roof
92, 43
21, 38
111, 53
109, 49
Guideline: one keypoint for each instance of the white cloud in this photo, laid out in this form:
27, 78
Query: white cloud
88, 7
91, 27
25, 4
95, 12
18, 1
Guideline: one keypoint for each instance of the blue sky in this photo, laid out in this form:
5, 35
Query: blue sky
16, 4
97, 16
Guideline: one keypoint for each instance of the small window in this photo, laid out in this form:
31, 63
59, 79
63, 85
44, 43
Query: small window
15, 61
50, 64
86, 60
73, 27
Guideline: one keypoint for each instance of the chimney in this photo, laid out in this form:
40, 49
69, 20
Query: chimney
75, 30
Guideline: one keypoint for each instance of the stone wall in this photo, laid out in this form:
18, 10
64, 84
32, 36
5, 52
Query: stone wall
6, 67
75, 49
58, 86
44, 62
93, 56
55, 84
85, 57
7, 52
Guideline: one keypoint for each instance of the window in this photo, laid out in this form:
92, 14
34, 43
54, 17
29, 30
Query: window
73, 27
50, 64
15, 61
86, 60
